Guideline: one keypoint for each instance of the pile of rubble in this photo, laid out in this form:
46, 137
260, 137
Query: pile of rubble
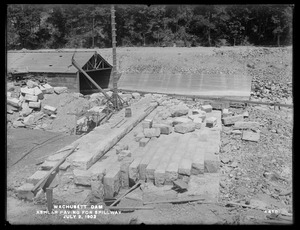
26, 103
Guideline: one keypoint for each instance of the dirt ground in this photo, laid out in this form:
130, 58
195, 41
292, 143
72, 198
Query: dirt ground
250, 171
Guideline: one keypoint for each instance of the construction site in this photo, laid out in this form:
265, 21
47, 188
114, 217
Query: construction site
150, 135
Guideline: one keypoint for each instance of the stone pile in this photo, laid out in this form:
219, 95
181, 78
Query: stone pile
26, 105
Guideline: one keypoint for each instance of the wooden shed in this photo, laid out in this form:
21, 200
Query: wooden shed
56, 67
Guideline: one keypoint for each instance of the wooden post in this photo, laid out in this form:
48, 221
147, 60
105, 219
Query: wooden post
49, 194
114, 54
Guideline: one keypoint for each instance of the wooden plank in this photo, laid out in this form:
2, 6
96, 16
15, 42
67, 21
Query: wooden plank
174, 201
42, 181
49, 195
130, 190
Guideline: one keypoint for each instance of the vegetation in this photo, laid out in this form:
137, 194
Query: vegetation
87, 26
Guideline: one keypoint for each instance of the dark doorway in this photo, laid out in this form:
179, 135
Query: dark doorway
101, 77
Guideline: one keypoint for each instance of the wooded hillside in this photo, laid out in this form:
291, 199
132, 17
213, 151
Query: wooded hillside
88, 26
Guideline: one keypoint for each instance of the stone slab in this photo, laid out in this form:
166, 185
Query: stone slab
134, 170
47, 165
250, 136
232, 119
206, 108
246, 125
152, 132
29, 97
156, 159
144, 141
24, 191
185, 127
173, 165
160, 170
36, 177
112, 181
82, 177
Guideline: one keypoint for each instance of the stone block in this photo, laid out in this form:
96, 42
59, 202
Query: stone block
48, 89
232, 119
211, 163
144, 141
185, 127
38, 92
206, 108
49, 109
97, 189
123, 154
180, 120
125, 171
24, 191
14, 102
134, 169
112, 182
82, 177
64, 166
29, 97
136, 95
29, 120
164, 129
43, 89
179, 110
147, 124
246, 114
219, 105
120, 147
35, 105
18, 124
26, 90
251, 136
236, 132
246, 125
198, 123
48, 165
36, 177
211, 122
59, 90
31, 84
139, 136
152, 132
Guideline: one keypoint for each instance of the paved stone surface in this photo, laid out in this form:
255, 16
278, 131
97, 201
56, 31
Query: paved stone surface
157, 158
160, 171
96, 143
146, 159
185, 164
172, 168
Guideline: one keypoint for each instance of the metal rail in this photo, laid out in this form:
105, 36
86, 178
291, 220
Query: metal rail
223, 99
